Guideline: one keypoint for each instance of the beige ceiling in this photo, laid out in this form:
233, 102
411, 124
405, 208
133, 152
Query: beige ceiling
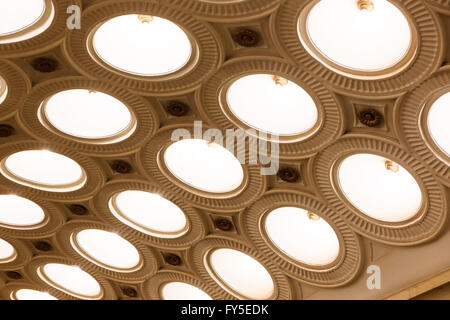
407, 253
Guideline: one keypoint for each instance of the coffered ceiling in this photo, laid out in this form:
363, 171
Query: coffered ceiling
336, 186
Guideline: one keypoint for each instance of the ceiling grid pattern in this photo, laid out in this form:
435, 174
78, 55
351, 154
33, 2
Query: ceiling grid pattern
376, 113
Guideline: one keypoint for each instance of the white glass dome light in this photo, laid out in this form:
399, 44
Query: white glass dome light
149, 213
106, 249
379, 187
272, 104
23, 19
19, 212
142, 45
44, 170
241, 274
29, 294
437, 122
302, 235
364, 35
88, 114
7, 252
183, 291
204, 165
71, 280
3, 90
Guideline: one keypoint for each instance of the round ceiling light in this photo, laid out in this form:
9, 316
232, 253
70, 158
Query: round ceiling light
378, 33
18, 212
87, 114
182, 291
162, 218
23, 19
379, 187
240, 274
71, 280
29, 294
272, 104
437, 123
3, 90
142, 45
7, 252
106, 249
302, 235
44, 170
204, 165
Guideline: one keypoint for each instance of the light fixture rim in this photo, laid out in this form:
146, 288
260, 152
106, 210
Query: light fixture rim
77, 247
115, 210
189, 65
433, 196
114, 138
45, 278
36, 28
282, 138
223, 284
359, 74
336, 184
191, 188
302, 264
60, 188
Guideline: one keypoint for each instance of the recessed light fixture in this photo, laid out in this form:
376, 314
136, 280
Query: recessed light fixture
7, 252
204, 165
106, 249
359, 38
272, 104
23, 19
240, 274
437, 122
149, 213
44, 170
29, 294
71, 280
142, 45
19, 213
182, 291
302, 235
3, 90
379, 187
92, 116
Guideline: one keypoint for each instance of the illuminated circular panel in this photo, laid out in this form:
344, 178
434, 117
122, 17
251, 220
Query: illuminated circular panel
23, 19
19, 14
28, 294
88, 114
241, 274
182, 291
18, 212
379, 38
281, 109
136, 45
378, 192
106, 249
3, 90
301, 237
7, 252
438, 127
71, 280
205, 166
149, 213
44, 170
